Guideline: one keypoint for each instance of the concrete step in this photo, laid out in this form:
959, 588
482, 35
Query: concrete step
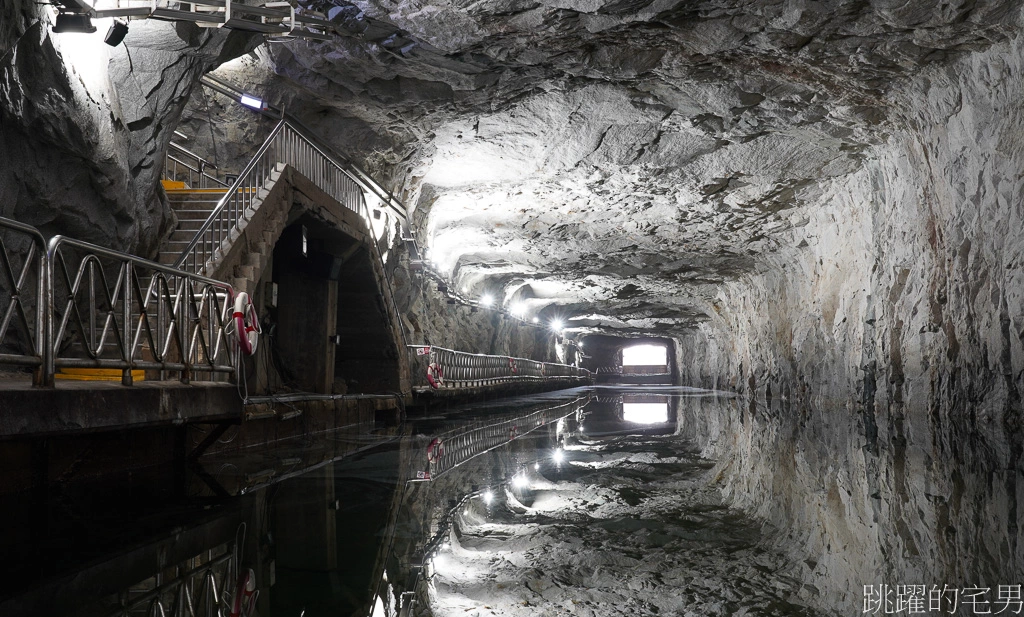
193, 212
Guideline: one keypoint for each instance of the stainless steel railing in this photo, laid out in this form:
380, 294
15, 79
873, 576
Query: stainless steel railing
71, 304
365, 181
202, 587
183, 165
284, 146
107, 309
458, 369
287, 144
22, 297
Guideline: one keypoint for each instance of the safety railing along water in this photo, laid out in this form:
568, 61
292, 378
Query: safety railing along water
22, 289
72, 304
447, 368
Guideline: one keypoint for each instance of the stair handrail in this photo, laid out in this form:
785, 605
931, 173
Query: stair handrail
190, 256
358, 175
309, 159
201, 165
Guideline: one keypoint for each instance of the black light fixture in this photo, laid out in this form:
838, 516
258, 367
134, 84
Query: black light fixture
116, 33
73, 22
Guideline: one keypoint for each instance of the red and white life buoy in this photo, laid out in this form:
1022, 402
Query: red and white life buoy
247, 326
435, 375
244, 600
435, 450
513, 366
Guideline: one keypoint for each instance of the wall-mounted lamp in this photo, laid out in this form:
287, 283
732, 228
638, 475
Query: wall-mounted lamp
252, 102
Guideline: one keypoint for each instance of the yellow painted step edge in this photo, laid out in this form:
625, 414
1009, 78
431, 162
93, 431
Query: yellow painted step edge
96, 374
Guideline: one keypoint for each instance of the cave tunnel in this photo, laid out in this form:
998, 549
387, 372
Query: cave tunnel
810, 210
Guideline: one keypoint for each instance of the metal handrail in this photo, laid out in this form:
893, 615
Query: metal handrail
286, 144
171, 164
17, 291
459, 369
114, 310
365, 181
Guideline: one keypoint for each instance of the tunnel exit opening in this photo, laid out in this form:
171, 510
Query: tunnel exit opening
645, 355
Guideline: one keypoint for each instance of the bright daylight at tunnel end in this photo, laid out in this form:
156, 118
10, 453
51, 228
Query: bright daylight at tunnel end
511, 307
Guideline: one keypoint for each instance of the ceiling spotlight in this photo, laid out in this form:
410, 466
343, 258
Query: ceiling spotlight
488, 497
487, 300
519, 481
557, 325
73, 22
558, 456
536, 466
116, 33
536, 320
465, 289
518, 309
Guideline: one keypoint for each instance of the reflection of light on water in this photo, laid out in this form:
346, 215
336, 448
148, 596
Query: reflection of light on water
645, 413
378, 608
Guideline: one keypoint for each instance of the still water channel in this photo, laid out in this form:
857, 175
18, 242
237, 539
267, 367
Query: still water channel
583, 502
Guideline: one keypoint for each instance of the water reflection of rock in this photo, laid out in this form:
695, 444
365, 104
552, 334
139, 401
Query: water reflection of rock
629, 523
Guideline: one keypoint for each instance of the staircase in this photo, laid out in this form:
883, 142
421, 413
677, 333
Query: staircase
192, 208
242, 255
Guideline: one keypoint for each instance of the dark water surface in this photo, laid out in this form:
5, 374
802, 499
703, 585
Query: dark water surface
588, 502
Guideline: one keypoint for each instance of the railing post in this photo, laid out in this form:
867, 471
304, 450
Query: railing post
126, 326
49, 363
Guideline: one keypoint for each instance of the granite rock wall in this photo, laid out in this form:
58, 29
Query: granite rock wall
881, 360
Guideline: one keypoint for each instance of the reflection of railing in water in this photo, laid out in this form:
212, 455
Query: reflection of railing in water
454, 447
458, 369
78, 305
205, 588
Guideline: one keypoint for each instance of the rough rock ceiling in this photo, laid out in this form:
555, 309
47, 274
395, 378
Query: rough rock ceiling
618, 161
